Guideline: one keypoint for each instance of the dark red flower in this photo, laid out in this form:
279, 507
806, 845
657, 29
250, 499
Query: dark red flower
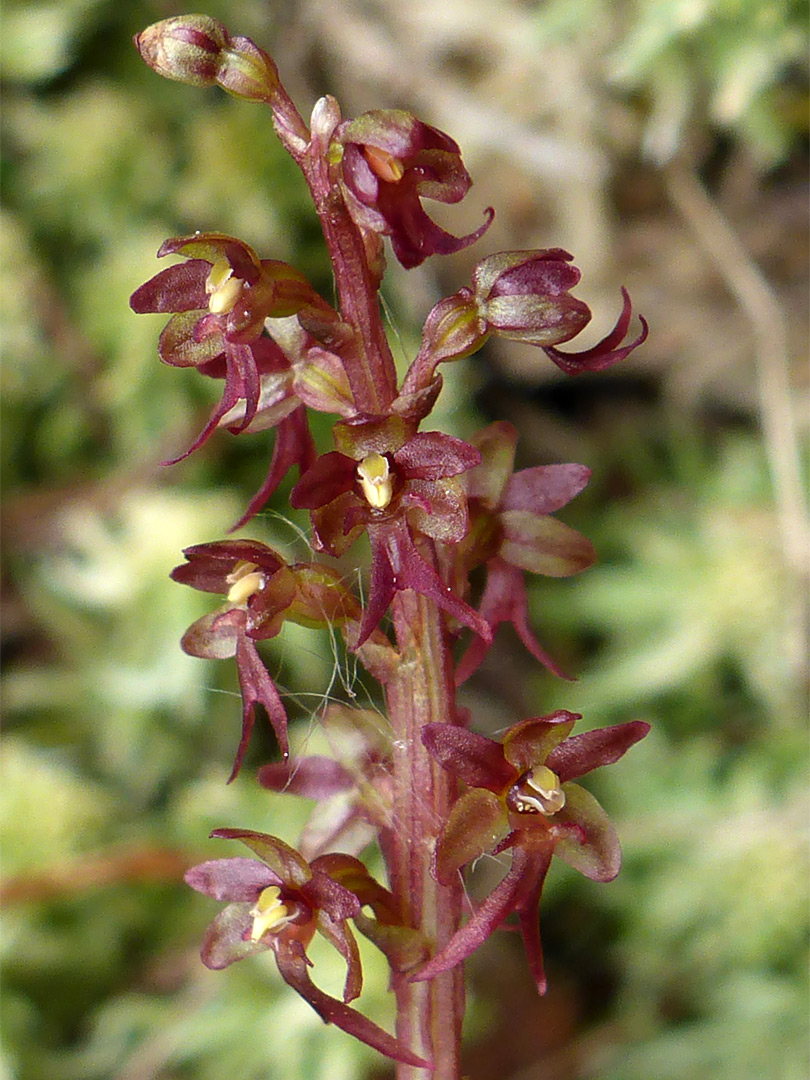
391, 161
521, 797
391, 487
512, 531
262, 591
278, 902
220, 300
524, 296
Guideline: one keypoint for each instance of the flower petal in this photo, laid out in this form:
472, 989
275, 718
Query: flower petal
582, 753
505, 600
257, 688
476, 760
238, 879
544, 545
177, 288
604, 353
292, 966
531, 741
313, 777
439, 509
292, 869
227, 939
586, 839
545, 488
477, 823
331, 475
504, 899
432, 455
294, 446
487, 481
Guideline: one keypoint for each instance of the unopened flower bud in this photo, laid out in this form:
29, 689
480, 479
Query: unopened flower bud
198, 50
247, 71
186, 48
524, 295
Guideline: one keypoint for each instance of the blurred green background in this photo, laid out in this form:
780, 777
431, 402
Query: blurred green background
664, 142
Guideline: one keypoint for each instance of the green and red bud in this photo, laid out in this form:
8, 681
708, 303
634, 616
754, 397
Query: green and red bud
198, 50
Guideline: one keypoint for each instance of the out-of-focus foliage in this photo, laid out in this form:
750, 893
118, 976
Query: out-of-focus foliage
726, 63
693, 962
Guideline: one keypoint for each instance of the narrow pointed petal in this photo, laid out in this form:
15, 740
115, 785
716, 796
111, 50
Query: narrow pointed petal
293, 969
505, 600
545, 488
529, 919
486, 919
313, 777
238, 879
291, 868
412, 572
414, 236
590, 844
294, 446
468, 756
582, 753
257, 688
604, 353
382, 587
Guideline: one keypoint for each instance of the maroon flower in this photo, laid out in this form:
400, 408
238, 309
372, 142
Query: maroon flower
220, 299
521, 797
391, 487
278, 902
390, 162
352, 788
512, 530
262, 591
524, 296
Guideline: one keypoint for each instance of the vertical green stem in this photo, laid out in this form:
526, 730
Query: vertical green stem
429, 1014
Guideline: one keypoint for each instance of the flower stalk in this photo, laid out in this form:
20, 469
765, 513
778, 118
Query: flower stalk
429, 1015
433, 793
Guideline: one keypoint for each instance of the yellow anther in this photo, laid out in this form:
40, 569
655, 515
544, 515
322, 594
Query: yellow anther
245, 580
540, 792
269, 913
222, 287
375, 480
384, 165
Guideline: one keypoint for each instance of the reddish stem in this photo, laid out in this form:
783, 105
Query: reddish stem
430, 1014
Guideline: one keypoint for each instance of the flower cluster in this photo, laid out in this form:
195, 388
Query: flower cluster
438, 511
